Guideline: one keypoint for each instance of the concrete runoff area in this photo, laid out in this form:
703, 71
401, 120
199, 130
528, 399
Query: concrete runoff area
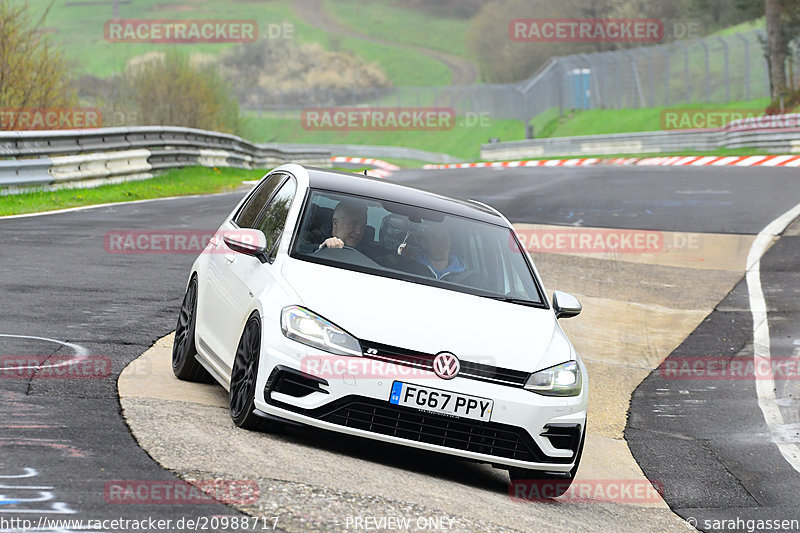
655, 300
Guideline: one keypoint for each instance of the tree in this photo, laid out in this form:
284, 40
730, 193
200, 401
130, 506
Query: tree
776, 50
168, 90
33, 74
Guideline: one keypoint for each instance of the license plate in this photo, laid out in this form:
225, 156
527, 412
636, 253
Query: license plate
443, 402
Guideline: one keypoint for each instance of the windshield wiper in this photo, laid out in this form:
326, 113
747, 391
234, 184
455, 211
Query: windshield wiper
510, 300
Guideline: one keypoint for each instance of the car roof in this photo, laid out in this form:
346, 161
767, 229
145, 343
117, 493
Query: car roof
358, 184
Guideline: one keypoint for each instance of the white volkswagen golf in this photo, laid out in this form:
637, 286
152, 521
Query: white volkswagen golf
356, 305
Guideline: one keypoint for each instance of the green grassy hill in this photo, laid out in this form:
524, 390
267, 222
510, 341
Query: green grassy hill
385, 19
80, 30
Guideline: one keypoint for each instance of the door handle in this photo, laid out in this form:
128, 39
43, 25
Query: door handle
230, 258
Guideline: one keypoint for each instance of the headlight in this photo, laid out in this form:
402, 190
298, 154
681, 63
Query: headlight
559, 380
304, 326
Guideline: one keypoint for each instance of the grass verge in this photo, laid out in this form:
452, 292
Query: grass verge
463, 141
607, 121
174, 182
722, 152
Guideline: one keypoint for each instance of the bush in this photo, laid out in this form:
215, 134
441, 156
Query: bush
169, 90
281, 70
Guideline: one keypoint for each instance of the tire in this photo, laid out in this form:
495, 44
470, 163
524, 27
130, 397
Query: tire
541, 485
243, 378
184, 364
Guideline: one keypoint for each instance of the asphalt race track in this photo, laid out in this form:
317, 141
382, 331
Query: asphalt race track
64, 442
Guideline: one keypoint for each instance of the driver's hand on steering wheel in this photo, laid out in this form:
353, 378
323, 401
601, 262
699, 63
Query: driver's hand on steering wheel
332, 242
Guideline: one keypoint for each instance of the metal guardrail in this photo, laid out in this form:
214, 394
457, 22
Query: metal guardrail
737, 134
373, 151
51, 158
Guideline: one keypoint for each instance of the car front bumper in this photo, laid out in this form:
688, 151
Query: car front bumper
355, 403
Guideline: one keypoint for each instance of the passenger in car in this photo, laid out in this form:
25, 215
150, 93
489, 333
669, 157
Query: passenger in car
435, 241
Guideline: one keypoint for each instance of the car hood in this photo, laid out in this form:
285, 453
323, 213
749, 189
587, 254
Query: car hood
429, 319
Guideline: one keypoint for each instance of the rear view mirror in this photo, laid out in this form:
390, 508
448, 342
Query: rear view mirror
566, 305
247, 241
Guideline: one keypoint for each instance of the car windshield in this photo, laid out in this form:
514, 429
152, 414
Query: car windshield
419, 245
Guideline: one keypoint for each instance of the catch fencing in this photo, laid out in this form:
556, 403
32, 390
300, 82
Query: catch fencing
712, 70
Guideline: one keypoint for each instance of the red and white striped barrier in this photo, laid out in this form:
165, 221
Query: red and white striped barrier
695, 161
724, 161
383, 169
531, 163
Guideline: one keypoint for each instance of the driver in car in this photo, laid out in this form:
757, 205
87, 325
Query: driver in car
349, 220
434, 240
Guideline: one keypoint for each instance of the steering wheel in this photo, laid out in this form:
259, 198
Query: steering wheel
345, 247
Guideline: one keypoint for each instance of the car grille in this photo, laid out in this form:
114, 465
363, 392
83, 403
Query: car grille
488, 438
469, 369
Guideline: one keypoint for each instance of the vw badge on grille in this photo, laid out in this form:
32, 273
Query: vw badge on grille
446, 365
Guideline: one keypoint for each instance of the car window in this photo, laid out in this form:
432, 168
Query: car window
246, 218
416, 244
273, 219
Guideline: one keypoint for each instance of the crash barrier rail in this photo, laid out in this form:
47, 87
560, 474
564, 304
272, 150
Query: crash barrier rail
107, 155
774, 134
378, 152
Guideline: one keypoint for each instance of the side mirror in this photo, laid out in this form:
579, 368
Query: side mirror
566, 305
247, 241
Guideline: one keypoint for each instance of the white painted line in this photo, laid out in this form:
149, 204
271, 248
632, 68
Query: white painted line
765, 385
29, 472
78, 349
